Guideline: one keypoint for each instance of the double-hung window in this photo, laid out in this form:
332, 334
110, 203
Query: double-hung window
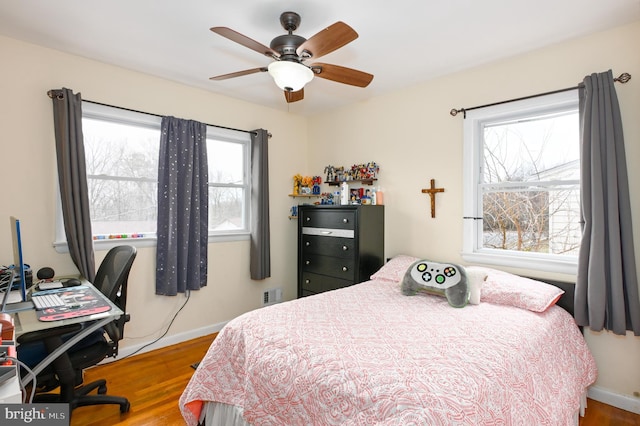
522, 184
121, 156
229, 192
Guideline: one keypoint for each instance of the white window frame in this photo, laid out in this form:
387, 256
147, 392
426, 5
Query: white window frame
243, 138
120, 115
472, 250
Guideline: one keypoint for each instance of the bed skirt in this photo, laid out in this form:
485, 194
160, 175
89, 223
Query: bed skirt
220, 414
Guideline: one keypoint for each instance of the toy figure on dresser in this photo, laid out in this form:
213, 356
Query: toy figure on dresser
327, 198
330, 171
317, 180
297, 181
364, 171
372, 170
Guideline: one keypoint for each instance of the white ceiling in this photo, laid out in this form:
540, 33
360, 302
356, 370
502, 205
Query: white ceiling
401, 42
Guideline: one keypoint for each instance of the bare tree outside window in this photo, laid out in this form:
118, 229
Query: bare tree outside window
122, 175
530, 185
227, 185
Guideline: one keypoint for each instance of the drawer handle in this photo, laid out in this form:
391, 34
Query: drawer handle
345, 269
307, 281
345, 220
345, 248
307, 218
307, 262
307, 243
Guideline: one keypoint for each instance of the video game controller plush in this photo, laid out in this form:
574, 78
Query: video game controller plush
443, 279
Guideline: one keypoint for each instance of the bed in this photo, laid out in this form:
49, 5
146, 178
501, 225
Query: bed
367, 354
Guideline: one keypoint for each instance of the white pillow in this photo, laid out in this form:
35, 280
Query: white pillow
475, 279
503, 288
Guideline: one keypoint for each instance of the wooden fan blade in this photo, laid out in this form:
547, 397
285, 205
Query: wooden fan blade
245, 41
327, 40
342, 74
238, 73
294, 96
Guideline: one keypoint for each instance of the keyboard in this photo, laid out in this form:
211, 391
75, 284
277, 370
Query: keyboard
45, 301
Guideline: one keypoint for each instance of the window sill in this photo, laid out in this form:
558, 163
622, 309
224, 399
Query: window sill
568, 266
103, 245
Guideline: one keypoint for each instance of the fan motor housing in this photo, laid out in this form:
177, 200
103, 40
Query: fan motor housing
287, 44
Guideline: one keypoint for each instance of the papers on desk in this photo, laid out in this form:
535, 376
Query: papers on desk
12, 302
14, 297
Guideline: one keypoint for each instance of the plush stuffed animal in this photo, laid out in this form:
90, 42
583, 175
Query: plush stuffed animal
443, 279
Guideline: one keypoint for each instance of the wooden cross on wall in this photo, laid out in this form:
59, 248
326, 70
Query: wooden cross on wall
432, 193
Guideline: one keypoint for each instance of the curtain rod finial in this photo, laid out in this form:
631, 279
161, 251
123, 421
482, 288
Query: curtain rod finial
55, 94
624, 77
455, 112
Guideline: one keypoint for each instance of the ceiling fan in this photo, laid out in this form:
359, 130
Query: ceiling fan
290, 51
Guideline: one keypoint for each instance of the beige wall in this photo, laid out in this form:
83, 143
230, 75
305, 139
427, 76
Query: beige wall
28, 174
409, 133
414, 139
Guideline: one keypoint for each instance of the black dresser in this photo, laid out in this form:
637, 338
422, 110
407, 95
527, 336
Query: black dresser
338, 246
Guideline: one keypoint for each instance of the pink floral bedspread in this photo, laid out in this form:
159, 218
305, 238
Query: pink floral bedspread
368, 355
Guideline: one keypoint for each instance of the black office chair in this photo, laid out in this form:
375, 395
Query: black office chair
66, 371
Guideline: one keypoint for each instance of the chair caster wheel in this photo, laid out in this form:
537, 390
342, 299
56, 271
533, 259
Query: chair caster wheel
102, 389
124, 408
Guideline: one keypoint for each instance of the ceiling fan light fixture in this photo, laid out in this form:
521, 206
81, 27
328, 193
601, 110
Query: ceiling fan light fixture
290, 76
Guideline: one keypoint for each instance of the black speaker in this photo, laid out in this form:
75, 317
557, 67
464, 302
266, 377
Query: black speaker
45, 273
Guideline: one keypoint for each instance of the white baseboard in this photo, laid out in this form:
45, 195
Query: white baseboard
624, 402
167, 341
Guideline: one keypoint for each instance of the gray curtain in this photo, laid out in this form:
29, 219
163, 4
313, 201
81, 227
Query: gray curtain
260, 252
181, 257
72, 178
607, 286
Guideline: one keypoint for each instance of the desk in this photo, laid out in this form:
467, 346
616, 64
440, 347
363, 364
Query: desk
27, 321
10, 392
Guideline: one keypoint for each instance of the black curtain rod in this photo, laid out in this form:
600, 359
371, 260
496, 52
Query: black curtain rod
51, 94
624, 77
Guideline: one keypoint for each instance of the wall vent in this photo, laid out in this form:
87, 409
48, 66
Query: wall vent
271, 296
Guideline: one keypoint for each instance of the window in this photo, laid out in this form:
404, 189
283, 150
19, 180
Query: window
229, 192
522, 184
121, 154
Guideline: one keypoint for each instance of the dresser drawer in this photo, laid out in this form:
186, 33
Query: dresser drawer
337, 247
339, 219
326, 265
314, 283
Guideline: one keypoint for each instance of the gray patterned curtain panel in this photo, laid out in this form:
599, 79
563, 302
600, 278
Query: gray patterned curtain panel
181, 259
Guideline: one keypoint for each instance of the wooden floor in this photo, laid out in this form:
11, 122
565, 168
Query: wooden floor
154, 381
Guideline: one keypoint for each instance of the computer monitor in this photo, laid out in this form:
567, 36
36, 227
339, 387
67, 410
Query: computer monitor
18, 260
